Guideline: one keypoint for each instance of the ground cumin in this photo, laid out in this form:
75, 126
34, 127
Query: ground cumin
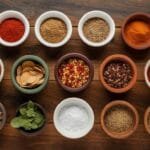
53, 30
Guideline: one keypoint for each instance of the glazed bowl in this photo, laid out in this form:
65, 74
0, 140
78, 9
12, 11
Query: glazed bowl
3, 110
17, 15
34, 59
146, 70
67, 103
53, 14
123, 58
2, 70
126, 105
146, 117
96, 14
135, 16
74, 55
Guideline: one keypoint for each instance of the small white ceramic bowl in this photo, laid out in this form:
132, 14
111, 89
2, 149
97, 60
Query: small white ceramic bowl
66, 103
15, 14
53, 14
1, 70
96, 14
147, 66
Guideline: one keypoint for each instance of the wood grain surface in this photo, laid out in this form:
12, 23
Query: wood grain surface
95, 94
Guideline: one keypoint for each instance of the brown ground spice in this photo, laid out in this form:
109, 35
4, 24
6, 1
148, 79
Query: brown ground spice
53, 30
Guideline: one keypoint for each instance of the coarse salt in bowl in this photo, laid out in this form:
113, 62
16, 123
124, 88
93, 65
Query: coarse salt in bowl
73, 118
96, 14
58, 15
16, 15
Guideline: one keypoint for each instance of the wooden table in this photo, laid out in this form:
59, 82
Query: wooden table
95, 95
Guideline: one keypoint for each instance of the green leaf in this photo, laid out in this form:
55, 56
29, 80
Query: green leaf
16, 122
30, 105
23, 111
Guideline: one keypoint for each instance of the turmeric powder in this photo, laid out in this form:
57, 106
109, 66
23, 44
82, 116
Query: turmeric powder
138, 32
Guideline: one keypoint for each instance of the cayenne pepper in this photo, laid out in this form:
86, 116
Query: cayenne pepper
11, 30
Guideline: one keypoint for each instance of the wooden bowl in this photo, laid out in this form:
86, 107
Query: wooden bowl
124, 134
74, 55
146, 115
118, 57
136, 16
2, 109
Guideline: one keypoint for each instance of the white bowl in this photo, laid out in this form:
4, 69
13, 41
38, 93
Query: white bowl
100, 14
53, 14
147, 66
15, 14
66, 103
1, 70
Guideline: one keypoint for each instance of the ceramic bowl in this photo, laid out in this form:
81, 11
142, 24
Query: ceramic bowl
121, 135
74, 101
53, 14
147, 67
119, 57
94, 14
74, 55
17, 15
135, 16
35, 59
3, 110
146, 116
2, 70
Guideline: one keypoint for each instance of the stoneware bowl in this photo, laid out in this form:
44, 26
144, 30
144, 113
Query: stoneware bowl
2, 108
135, 16
120, 58
94, 14
37, 131
15, 14
121, 135
146, 117
74, 55
53, 14
2, 70
73, 101
146, 69
35, 59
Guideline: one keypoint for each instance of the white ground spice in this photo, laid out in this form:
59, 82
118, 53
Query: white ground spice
73, 118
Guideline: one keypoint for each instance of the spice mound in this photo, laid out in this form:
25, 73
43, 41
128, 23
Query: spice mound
96, 29
30, 74
74, 73
11, 30
118, 74
119, 119
53, 30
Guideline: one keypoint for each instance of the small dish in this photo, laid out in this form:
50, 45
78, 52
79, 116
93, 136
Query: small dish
2, 70
135, 16
17, 15
68, 103
96, 14
146, 117
78, 56
146, 71
53, 14
123, 58
34, 59
3, 110
123, 104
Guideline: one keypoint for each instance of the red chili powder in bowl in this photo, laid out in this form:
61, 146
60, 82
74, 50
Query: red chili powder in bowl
11, 30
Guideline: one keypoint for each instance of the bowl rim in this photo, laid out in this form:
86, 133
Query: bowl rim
146, 115
125, 134
53, 14
17, 15
100, 14
35, 59
125, 22
74, 101
2, 107
146, 68
74, 55
122, 58
2, 70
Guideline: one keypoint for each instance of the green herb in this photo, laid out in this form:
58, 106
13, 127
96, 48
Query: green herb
29, 118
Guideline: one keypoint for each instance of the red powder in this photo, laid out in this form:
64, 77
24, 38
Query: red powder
11, 30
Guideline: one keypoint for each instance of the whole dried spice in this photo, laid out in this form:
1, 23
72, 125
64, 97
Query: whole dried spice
119, 119
74, 73
53, 30
30, 74
118, 74
96, 29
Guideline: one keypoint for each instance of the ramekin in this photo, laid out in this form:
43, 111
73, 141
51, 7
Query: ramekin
96, 14
17, 15
2, 70
53, 14
147, 66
